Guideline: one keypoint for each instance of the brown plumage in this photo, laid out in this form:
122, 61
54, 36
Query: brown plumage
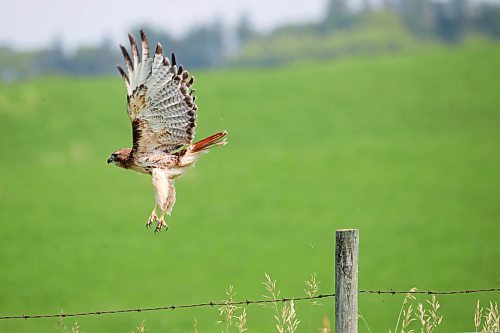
162, 110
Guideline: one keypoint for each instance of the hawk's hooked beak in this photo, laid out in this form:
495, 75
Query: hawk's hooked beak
110, 160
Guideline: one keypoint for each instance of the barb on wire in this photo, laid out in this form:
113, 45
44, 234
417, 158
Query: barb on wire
245, 302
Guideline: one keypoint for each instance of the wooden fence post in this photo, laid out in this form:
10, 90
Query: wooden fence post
346, 281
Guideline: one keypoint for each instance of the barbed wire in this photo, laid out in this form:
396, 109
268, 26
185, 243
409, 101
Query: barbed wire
430, 292
246, 302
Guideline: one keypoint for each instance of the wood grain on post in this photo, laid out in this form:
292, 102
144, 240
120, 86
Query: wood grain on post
346, 281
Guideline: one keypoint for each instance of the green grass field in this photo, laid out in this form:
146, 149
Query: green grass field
405, 147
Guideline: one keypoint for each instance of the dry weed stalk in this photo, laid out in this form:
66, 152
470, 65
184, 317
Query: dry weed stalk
434, 319
273, 293
195, 326
407, 319
64, 329
421, 316
478, 316
140, 329
286, 318
312, 288
428, 318
326, 326
227, 311
360, 316
491, 318
241, 321
407, 298
61, 325
75, 328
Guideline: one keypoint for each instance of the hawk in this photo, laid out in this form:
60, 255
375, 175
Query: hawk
162, 110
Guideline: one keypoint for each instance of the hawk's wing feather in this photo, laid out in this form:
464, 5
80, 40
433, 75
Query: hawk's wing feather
160, 103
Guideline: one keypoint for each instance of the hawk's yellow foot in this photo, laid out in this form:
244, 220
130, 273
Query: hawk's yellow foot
152, 218
161, 224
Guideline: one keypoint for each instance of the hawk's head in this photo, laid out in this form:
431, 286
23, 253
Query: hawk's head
120, 157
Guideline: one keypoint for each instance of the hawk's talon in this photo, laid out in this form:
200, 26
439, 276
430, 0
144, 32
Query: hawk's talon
161, 224
151, 219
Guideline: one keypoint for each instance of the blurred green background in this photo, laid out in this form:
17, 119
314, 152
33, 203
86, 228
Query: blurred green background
402, 145
406, 154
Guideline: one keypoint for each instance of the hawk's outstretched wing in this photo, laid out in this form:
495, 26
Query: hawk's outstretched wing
160, 103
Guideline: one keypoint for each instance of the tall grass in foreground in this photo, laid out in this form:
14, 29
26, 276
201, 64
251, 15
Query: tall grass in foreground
284, 313
491, 318
414, 316
427, 317
229, 314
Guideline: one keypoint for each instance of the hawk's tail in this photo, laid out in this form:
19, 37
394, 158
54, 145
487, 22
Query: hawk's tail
217, 139
189, 155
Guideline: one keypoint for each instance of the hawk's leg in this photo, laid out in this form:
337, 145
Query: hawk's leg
153, 217
166, 209
165, 195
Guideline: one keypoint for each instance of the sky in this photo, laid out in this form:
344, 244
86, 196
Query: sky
30, 24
